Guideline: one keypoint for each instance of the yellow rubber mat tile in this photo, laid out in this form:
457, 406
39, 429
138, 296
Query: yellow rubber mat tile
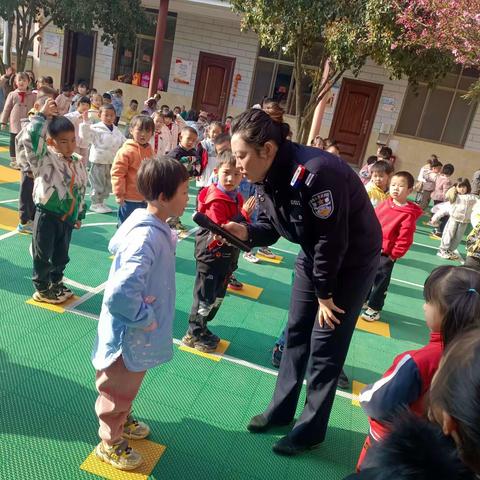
8, 219
9, 175
215, 356
150, 451
278, 259
377, 328
111, 257
433, 237
4, 149
357, 387
60, 308
249, 291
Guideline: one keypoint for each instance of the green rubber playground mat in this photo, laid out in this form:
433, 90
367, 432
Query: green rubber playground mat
196, 406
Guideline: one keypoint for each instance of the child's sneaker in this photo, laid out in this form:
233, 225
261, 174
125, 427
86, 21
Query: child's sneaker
119, 456
210, 337
14, 165
181, 227
277, 355
48, 296
266, 252
370, 315
204, 344
437, 235
25, 227
106, 208
250, 257
433, 224
234, 284
135, 430
100, 208
444, 254
62, 290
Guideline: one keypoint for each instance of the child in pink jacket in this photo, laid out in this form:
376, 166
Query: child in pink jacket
18, 104
443, 183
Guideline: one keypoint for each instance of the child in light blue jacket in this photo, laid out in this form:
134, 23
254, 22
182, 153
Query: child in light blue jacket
135, 325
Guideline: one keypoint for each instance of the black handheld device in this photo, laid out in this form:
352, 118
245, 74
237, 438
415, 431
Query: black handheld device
203, 221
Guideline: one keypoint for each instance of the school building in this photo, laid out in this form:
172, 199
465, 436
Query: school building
208, 63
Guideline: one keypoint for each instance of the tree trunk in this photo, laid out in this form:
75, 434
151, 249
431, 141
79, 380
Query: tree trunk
8, 46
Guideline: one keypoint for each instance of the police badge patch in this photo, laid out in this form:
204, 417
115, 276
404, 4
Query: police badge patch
322, 204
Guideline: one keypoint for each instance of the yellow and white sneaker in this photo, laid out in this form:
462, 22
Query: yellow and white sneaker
119, 456
135, 430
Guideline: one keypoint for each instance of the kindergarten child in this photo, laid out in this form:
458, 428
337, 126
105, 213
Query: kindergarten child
82, 91
443, 183
117, 102
398, 217
96, 101
209, 157
377, 187
173, 123
130, 112
158, 140
452, 306
365, 173
462, 203
16, 108
221, 203
426, 185
105, 139
77, 117
48, 145
126, 163
64, 100
136, 320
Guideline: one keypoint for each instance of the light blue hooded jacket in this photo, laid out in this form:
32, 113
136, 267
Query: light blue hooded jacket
144, 265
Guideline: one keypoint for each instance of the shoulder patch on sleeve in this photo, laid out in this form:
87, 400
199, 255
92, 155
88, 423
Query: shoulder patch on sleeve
322, 204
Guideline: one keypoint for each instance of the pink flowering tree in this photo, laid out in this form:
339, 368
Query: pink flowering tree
451, 26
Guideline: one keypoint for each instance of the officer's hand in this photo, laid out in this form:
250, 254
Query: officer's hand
326, 317
237, 229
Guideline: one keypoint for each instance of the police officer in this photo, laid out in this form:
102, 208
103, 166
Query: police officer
315, 199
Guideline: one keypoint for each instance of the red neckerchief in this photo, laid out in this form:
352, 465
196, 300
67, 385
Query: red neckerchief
22, 96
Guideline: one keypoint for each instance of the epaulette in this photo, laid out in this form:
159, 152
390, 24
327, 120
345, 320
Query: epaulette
302, 177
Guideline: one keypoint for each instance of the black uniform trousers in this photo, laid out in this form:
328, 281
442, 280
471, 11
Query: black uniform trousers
315, 353
50, 243
211, 282
376, 298
26, 207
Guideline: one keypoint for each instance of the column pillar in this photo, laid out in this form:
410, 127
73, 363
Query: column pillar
158, 48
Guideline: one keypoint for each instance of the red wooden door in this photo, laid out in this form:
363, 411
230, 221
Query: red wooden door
353, 118
213, 83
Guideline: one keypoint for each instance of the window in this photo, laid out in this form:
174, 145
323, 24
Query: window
133, 62
274, 79
440, 114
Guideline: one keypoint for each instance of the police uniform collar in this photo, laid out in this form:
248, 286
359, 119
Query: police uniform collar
282, 166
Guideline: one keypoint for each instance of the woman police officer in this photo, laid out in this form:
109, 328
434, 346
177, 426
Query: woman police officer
315, 199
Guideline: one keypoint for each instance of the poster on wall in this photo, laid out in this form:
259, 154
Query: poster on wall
388, 104
183, 71
51, 44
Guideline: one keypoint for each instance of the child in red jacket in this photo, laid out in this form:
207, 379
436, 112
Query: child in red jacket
216, 261
452, 306
398, 218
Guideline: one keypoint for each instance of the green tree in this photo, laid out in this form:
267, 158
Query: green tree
343, 33
117, 19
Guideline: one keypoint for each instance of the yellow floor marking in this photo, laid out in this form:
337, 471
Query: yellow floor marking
150, 451
4, 149
216, 356
9, 175
278, 259
59, 308
111, 257
357, 387
378, 328
249, 291
8, 219
433, 237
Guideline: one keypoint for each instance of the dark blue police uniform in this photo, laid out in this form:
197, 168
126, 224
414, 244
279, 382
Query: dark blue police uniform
315, 199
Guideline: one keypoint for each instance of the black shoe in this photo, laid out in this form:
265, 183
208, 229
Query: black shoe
343, 381
260, 423
62, 290
210, 337
285, 446
277, 355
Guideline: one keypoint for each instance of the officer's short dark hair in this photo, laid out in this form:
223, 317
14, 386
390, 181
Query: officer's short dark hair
58, 125
227, 159
407, 176
385, 153
160, 175
143, 122
382, 166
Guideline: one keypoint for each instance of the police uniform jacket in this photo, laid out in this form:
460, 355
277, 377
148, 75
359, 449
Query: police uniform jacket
315, 199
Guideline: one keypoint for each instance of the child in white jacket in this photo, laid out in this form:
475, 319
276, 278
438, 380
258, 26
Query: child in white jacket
105, 139
462, 204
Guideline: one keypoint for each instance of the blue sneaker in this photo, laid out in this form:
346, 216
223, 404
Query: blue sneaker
25, 227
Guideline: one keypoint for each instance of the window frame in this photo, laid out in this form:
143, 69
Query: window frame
454, 90
138, 37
